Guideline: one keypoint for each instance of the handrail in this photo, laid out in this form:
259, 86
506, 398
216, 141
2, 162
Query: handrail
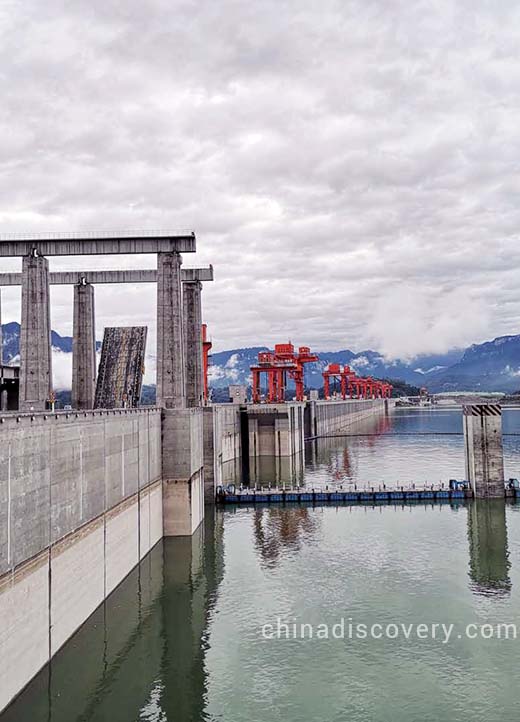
112, 234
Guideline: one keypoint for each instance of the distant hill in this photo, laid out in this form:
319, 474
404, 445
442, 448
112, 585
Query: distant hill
11, 341
490, 366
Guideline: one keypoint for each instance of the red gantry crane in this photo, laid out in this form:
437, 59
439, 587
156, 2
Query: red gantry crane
284, 363
354, 386
206, 348
278, 366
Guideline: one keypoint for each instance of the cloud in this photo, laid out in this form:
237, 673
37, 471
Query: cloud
414, 319
336, 160
61, 369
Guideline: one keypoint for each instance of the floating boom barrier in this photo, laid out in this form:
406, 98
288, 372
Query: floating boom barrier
457, 490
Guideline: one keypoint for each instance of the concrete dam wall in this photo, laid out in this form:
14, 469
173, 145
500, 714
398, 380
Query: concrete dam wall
264, 443
329, 417
222, 445
80, 505
85, 495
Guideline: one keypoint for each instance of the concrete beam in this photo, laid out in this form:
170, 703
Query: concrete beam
197, 274
96, 243
83, 348
35, 336
71, 278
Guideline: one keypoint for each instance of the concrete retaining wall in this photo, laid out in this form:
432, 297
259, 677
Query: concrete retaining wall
222, 446
80, 504
112, 647
328, 417
276, 429
275, 437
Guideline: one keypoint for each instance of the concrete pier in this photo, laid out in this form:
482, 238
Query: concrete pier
483, 448
35, 335
171, 392
276, 430
182, 471
83, 348
1, 339
192, 307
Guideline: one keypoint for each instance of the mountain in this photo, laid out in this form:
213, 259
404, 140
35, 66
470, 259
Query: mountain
490, 366
11, 341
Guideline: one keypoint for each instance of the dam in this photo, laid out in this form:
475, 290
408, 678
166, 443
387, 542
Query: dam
180, 637
87, 493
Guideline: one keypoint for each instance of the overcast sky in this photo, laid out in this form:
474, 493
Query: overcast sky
350, 168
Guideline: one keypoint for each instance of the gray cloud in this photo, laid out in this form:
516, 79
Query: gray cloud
351, 168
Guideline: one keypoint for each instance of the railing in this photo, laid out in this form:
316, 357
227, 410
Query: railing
111, 234
20, 416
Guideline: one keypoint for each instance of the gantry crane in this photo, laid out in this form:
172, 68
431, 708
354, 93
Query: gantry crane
278, 365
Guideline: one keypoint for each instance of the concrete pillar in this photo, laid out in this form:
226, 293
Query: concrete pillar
4, 400
483, 447
1, 338
83, 348
182, 471
170, 342
35, 335
192, 308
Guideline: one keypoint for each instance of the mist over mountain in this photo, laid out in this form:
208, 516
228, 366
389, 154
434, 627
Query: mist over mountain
490, 366
11, 341
232, 367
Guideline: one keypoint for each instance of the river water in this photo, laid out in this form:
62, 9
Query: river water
198, 631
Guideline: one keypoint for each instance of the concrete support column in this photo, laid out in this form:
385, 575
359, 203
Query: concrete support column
483, 447
1, 338
35, 335
192, 308
170, 341
83, 348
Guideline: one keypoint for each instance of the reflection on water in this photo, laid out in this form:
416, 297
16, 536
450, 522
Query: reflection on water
193, 570
140, 656
488, 553
276, 533
276, 470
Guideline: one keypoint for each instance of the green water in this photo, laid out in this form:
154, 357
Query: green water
181, 639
